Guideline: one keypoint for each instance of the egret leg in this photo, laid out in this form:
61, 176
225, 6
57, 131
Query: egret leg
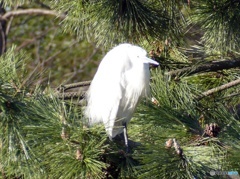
125, 136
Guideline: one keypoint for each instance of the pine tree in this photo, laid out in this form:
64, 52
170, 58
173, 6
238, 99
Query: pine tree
189, 129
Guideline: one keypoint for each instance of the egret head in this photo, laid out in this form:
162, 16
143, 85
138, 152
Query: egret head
139, 55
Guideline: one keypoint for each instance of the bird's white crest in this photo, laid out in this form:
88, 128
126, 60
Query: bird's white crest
121, 80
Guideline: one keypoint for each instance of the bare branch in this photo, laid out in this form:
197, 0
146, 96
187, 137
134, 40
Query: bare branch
32, 12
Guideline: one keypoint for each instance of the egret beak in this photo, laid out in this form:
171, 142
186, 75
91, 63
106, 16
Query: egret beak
150, 62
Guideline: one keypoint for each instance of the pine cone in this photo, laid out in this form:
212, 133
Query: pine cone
169, 143
64, 134
155, 101
152, 53
177, 147
212, 130
79, 154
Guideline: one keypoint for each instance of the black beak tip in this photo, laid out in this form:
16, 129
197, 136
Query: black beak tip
154, 65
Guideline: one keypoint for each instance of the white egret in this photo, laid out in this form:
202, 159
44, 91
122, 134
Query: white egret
121, 80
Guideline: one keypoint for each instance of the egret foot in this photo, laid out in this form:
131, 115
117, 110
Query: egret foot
125, 136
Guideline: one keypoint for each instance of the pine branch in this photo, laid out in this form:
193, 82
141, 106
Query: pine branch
73, 85
62, 94
220, 88
213, 66
71, 95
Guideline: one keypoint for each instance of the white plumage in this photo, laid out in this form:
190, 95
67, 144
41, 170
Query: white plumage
121, 80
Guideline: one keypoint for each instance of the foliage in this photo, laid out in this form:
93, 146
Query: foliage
113, 22
219, 21
62, 56
31, 143
42, 136
170, 117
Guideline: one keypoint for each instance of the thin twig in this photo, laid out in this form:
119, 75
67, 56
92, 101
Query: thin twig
85, 62
10, 22
59, 52
43, 62
30, 41
231, 95
219, 88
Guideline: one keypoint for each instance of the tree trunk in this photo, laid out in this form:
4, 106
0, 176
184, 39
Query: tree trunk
3, 25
